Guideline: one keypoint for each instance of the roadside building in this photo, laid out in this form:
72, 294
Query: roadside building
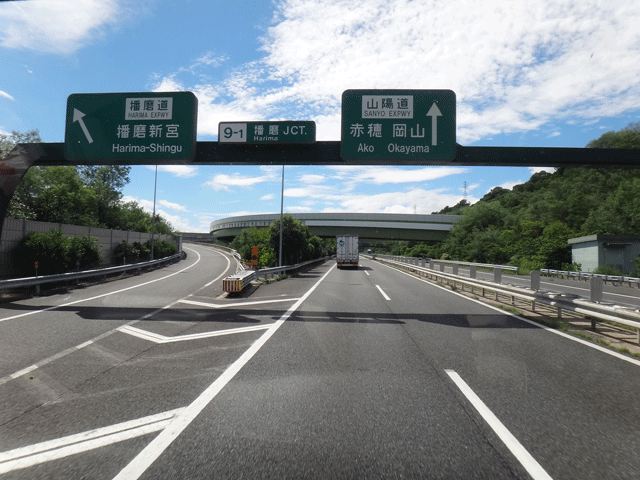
618, 251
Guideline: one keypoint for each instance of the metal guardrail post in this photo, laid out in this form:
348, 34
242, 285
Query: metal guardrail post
473, 271
535, 280
441, 264
497, 275
595, 284
455, 269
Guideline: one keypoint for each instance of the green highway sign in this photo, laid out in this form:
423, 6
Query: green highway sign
131, 127
267, 132
407, 125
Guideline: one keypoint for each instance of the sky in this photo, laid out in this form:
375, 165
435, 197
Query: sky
545, 73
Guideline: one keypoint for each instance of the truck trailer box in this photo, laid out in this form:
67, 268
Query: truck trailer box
347, 251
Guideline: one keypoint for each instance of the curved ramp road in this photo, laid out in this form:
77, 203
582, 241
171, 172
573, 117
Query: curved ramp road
336, 373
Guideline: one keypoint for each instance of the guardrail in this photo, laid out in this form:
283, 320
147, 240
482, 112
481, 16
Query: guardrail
74, 276
432, 262
586, 276
239, 281
593, 310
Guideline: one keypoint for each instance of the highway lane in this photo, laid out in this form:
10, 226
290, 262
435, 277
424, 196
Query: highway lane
335, 373
362, 380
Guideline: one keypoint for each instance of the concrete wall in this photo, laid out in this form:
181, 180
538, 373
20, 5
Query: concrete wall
14, 230
587, 255
617, 251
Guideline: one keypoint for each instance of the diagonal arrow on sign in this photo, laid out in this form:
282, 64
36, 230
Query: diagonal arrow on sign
434, 113
77, 117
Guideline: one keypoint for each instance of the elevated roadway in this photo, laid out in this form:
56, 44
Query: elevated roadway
368, 226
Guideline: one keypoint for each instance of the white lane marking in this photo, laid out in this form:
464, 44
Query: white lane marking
66, 352
257, 302
568, 336
159, 444
34, 312
524, 457
24, 371
154, 337
386, 297
31, 455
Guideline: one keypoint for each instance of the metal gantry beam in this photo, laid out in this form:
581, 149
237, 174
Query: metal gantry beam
23, 156
328, 153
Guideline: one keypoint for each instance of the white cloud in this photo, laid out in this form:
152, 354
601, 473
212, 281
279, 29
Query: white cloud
6, 95
385, 175
506, 185
513, 65
223, 181
541, 169
172, 206
53, 26
311, 178
181, 171
416, 200
269, 196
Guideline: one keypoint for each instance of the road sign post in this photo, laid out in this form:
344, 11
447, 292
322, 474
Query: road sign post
398, 125
267, 132
140, 127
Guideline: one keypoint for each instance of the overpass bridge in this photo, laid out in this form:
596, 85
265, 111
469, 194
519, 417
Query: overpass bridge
368, 226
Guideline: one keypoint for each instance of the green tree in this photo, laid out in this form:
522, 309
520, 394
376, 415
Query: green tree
295, 240
628, 137
554, 250
254, 237
107, 182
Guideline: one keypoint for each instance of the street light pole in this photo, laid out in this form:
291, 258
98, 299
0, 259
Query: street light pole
281, 212
153, 217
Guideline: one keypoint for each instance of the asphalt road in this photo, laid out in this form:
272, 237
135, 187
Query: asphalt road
365, 373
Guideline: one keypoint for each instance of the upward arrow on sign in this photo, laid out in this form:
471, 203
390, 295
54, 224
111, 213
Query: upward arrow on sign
434, 113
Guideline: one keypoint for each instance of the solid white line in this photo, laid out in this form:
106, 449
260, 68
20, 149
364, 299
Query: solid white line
154, 337
159, 444
257, 302
386, 297
524, 457
102, 295
31, 455
59, 355
568, 336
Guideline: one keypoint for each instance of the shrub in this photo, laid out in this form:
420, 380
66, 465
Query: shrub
55, 253
607, 270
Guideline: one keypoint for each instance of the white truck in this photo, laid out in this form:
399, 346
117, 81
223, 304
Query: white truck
347, 251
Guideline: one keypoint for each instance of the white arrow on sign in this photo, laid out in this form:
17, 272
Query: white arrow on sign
77, 117
434, 113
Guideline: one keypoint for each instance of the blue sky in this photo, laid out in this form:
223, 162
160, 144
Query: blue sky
545, 73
